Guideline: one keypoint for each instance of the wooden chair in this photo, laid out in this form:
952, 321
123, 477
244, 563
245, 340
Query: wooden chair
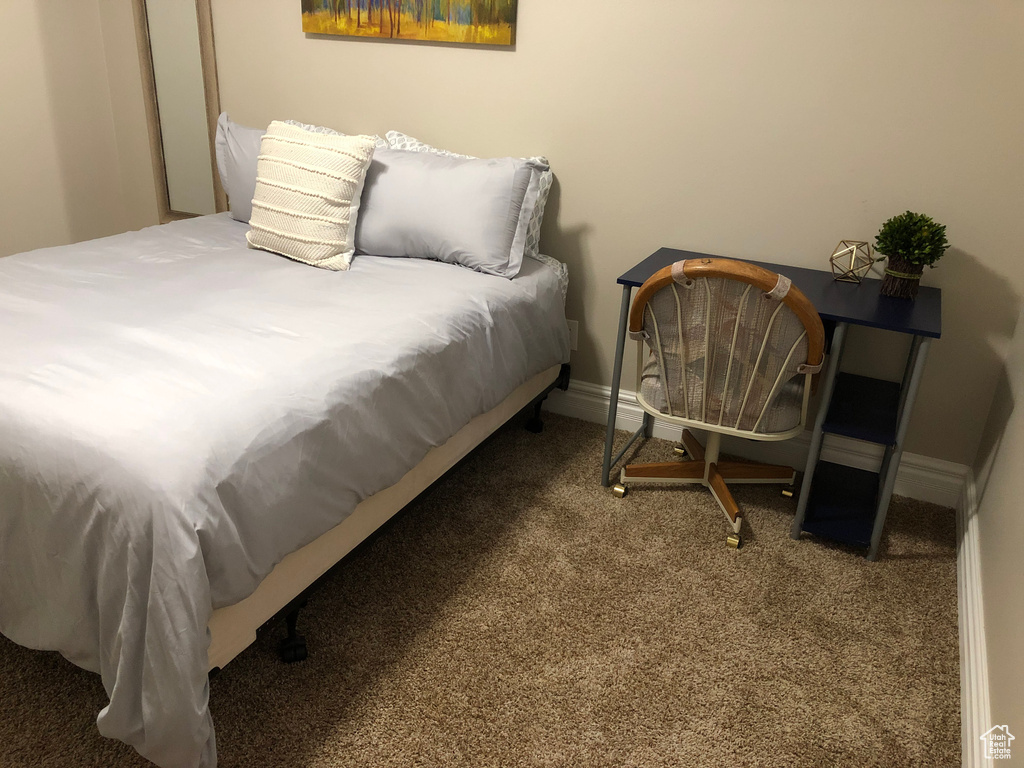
733, 348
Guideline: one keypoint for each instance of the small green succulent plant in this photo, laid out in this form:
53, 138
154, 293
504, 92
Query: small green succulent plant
914, 237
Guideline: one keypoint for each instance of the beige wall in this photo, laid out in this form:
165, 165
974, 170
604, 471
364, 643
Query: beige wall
766, 133
63, 166
1001, 534
759, 130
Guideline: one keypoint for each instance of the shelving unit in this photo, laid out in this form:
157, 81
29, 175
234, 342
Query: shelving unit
864, 408
843, 503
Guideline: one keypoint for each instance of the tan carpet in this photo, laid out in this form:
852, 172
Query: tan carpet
519, 615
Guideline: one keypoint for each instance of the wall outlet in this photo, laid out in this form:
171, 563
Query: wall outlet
574, 334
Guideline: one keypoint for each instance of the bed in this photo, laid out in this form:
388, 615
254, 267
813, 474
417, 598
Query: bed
192, 431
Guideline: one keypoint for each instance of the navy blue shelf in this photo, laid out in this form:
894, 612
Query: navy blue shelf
841, 506
864, 408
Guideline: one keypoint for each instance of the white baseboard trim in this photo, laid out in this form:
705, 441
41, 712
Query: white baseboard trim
975, 706
919, 477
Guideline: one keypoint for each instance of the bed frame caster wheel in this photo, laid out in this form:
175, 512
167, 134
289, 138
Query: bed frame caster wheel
734, 541
679, 451
619, 490
789, 491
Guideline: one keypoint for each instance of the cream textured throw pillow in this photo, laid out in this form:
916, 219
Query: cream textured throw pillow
308, 187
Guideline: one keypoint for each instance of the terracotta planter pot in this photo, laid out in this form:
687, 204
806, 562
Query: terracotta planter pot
901, 278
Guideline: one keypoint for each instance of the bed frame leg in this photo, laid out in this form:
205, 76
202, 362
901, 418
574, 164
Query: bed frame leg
534, 423
293, 648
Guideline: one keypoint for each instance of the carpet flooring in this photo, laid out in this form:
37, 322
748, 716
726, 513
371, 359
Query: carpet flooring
517, 614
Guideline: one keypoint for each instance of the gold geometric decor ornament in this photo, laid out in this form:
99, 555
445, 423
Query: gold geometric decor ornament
852, 260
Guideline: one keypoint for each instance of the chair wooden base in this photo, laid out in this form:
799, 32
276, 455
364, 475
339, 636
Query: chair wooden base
703, 467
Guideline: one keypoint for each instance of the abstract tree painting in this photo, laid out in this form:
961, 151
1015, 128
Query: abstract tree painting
484, 22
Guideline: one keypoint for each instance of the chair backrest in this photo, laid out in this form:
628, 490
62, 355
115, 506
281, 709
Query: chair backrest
733, 346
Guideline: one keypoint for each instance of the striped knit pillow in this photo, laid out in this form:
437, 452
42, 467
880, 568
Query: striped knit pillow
308, 187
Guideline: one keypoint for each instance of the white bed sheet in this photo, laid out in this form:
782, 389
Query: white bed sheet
178, 412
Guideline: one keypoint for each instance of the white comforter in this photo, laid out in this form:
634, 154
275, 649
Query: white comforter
178, 412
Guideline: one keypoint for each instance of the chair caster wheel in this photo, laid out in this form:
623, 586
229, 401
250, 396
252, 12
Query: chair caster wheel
734, 541
789, 491
619, 490
293, 649
679, 451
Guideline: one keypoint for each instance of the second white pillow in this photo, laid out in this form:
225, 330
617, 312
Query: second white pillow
537, 196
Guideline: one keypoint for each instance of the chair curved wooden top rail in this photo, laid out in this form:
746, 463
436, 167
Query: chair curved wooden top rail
732, 269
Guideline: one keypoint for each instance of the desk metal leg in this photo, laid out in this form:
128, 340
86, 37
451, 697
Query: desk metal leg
814, 453
893, 453
613, 405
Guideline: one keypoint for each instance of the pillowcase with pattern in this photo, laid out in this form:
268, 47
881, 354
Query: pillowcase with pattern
378, 141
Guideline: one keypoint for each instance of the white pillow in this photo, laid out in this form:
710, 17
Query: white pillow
237, 147
459, 210
540, 184
308, 188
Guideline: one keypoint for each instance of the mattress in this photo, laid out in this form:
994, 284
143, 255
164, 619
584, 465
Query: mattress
179, 412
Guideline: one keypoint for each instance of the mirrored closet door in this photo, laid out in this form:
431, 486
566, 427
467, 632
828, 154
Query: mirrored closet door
180, 80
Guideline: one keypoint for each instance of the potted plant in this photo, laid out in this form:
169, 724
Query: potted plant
910, 240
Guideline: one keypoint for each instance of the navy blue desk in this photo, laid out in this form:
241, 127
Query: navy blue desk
836, 501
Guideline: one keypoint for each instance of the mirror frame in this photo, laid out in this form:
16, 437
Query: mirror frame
204, 17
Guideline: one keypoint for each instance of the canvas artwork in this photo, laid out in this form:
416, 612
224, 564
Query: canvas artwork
487, 22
